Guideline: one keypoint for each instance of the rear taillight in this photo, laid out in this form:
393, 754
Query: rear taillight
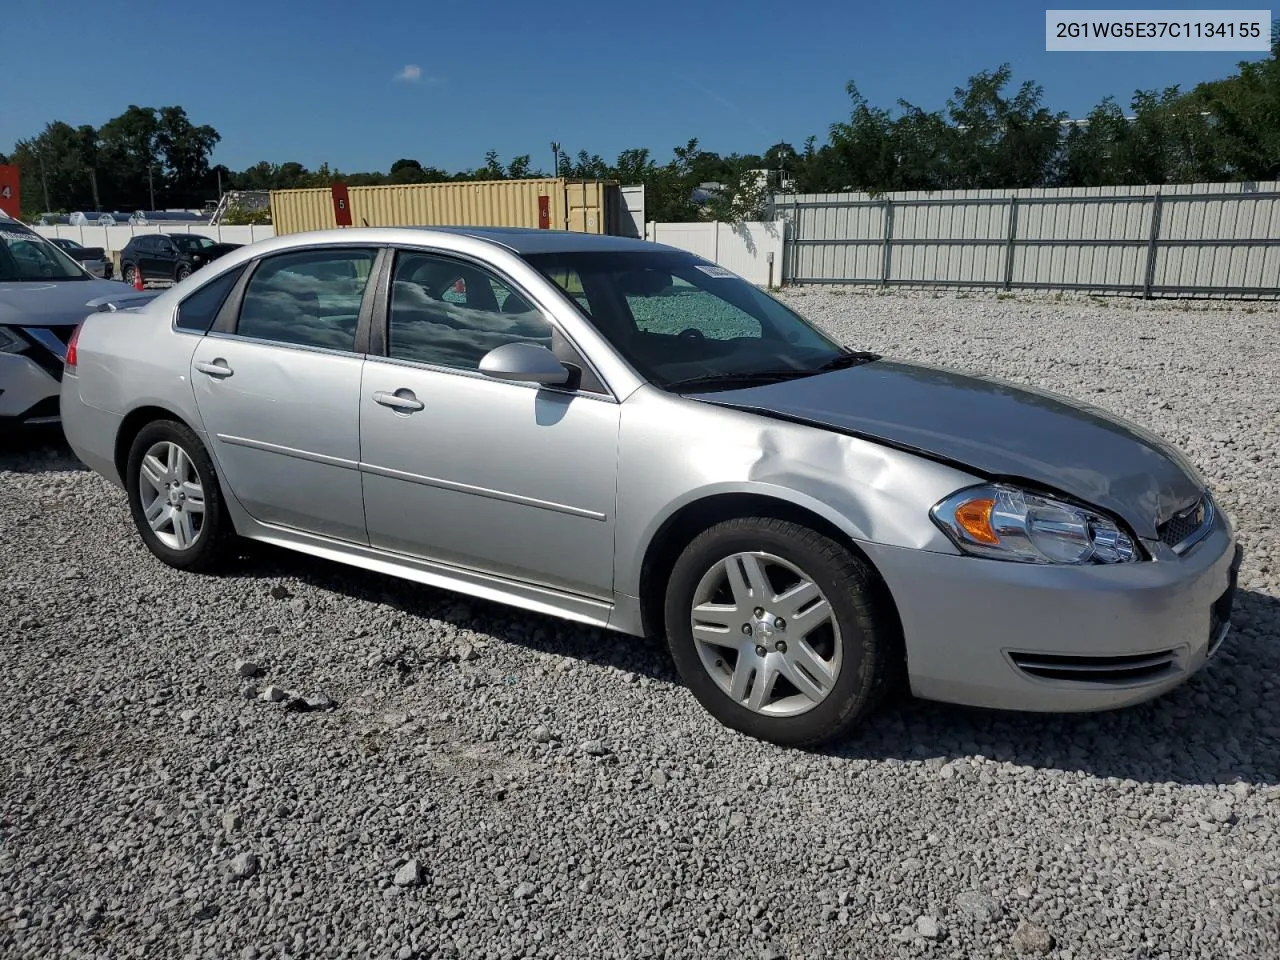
69, 363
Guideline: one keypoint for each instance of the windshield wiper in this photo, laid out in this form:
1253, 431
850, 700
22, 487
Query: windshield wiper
742, 377
854, 358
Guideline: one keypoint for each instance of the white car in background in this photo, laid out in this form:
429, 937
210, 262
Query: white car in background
44, 294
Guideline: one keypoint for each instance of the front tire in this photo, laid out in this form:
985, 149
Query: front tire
174, 497
778, 631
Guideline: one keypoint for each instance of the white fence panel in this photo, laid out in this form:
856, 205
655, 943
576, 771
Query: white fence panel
114, 239
751, 250
1181, 240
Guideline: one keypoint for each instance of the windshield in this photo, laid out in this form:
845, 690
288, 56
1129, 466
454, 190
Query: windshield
25, 255
189, 242
685, 323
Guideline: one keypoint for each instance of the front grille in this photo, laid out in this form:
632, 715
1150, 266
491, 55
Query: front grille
1133, 668
1220, 612
1186, 528
48, 346
43, 411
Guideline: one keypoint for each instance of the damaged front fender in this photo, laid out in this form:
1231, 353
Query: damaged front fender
676, 452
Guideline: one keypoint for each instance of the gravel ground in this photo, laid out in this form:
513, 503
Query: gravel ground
485, 783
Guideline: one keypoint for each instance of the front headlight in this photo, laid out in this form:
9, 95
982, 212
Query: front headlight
1006, 523
11, 343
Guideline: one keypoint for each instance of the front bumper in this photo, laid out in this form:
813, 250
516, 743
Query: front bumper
28, 393
1016, 636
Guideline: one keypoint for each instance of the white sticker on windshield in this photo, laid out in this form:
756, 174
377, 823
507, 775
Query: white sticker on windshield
711, 270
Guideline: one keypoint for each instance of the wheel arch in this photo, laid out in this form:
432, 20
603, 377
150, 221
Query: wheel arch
132, 425
690, 519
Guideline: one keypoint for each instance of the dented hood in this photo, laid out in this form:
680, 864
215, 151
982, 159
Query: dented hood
994, 428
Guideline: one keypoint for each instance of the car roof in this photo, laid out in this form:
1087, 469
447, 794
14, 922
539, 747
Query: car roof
520, 240
530, 240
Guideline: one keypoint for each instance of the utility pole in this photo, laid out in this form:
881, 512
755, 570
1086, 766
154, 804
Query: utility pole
93, 182
555, 162
44, 182
151, 185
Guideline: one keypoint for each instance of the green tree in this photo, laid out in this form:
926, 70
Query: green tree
863, 148
818, 169
745, 192
130, 162
585, 167
239, 216
998, 141
781, 157
519, 168
405, 171
669, 189
493, 168
633, 166
184, 150
58, 161
1244, 114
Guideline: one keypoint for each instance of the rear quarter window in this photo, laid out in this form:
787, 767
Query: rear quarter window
197, 313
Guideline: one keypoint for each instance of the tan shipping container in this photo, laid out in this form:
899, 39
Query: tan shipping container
584, 206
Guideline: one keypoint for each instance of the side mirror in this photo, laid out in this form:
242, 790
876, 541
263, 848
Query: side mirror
526, 362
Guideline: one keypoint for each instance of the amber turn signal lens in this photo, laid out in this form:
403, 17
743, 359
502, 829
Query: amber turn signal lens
974, 518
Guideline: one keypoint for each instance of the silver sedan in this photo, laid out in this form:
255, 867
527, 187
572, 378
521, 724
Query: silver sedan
626, 435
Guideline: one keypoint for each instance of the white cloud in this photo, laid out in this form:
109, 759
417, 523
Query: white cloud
411, 73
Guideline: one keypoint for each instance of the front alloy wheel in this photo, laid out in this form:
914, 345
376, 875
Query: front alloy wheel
765, 633
781, 632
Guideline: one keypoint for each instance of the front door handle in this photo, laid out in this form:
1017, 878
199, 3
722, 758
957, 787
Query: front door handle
395, 401
217, 369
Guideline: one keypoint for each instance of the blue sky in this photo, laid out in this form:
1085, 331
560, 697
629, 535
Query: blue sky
316, 80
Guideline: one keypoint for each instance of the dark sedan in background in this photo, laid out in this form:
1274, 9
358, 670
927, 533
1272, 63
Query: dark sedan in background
169, 256
93, 259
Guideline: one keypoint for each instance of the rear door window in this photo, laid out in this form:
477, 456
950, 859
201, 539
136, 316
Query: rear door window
309, 299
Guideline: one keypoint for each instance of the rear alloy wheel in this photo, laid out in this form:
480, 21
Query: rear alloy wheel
129, 274
777, 630
184, 271
174, 497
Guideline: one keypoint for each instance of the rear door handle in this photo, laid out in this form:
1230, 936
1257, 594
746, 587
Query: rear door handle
218, 368
407, 403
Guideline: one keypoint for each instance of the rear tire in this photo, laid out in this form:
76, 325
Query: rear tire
174, 497
184, 271
820, 650
129, 273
